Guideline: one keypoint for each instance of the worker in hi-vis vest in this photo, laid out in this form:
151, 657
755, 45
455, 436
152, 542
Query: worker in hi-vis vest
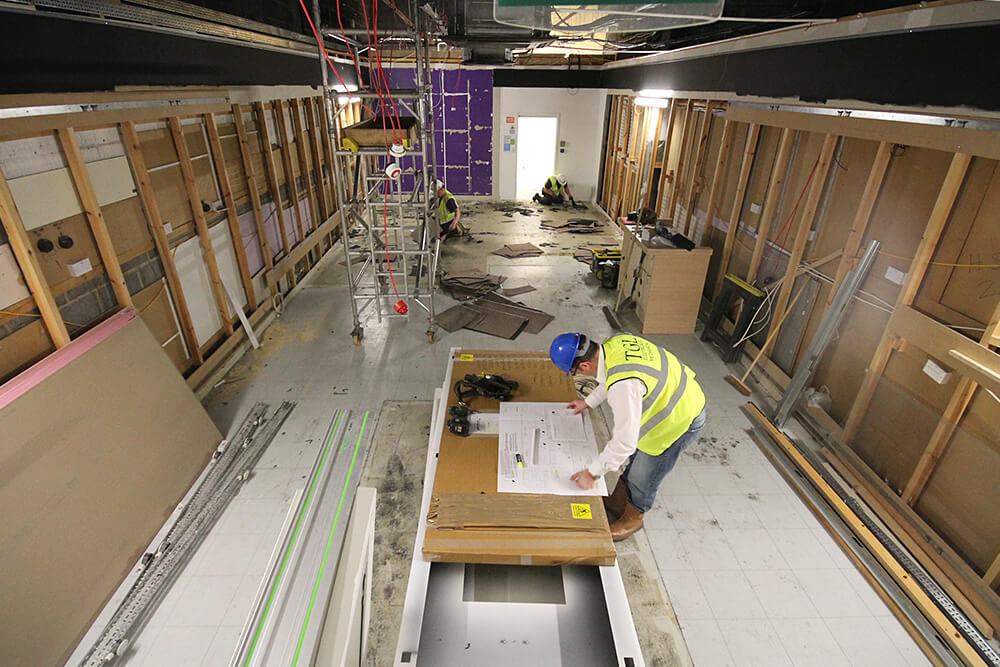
552, 191
658, 409
449, 215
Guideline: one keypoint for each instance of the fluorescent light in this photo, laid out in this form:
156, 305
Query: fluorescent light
344, 99
651, 102
342, 89
656, 92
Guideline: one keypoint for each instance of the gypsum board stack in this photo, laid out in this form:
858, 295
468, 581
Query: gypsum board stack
160, 568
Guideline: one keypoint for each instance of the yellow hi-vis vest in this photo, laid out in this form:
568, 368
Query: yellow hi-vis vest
554, 185
444, 215
672, 399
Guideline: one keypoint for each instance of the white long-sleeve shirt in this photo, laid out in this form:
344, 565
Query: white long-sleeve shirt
625, 399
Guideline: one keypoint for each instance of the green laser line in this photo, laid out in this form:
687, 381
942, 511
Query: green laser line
295, 533
329, 540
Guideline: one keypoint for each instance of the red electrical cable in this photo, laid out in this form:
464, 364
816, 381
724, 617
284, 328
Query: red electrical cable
786, 227
375, 80
327, 55
378, 59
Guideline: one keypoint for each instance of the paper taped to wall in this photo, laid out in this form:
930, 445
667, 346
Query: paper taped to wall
540, 446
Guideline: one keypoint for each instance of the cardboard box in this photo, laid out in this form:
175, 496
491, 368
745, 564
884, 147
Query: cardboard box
469, 522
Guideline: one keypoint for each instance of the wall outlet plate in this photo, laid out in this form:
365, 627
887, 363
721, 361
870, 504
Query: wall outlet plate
754, 208
935, 372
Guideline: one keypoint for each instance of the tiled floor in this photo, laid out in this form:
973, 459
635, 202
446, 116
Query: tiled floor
753, 578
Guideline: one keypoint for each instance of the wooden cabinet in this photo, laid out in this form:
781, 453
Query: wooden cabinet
665, 283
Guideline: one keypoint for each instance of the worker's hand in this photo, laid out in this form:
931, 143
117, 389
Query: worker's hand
584, 479
578, 406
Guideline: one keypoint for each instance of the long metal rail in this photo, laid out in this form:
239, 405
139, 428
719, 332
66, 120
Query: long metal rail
232, 464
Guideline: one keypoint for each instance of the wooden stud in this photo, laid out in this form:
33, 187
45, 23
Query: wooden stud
678, 182
250, 171
805, 224
42, 124
204, 236
219, 158
130, 139
286, 160
95, 218
272, 176
719, 173
778, 174
652, 158
862, 216
24, 253
946, 426
311, 104
753, 134
331, 159
303, 150
992, 576
611, 147
667, 141
949, 633
918, 267
621, 162
697, 179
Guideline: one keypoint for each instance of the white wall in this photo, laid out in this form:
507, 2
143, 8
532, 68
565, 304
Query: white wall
581, 120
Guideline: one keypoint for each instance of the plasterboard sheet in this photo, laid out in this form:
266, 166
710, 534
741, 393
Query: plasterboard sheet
50, 196
12, 289
225, 256
197, 285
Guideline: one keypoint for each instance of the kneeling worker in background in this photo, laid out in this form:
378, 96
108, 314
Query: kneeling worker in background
449, 215
658, 409
552, 191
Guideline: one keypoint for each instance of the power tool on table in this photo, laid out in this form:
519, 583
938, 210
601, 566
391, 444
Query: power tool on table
483, 384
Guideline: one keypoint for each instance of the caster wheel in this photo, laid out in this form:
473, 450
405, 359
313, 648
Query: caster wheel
430, 338
357, 339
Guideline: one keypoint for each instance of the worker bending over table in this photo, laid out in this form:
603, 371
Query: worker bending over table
658, 410
552, 191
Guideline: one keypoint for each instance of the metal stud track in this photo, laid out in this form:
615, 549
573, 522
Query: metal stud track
230, 469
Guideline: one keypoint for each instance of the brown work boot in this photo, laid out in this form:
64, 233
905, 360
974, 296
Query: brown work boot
615, 503
629, 522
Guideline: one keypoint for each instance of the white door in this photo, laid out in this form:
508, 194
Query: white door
536, 153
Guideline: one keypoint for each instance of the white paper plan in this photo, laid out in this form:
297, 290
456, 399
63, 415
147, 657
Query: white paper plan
540, 446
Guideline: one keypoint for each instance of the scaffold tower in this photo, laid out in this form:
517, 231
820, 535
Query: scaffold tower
387, 160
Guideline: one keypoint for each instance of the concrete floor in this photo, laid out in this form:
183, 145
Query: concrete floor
751, 575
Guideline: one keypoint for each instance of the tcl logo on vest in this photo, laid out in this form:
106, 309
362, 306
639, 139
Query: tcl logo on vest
631, 346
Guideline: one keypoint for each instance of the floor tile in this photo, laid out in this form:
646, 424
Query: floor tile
704, 642
678, 482
220, 651
865, 643
760, 479
733, 512
686, 596
708, 549
667, 549
689, 512
876, 607
831, 594
729, 594
800, 549
809, 643
903, 642
780, 594
778, 511
179, 647
754, 642
833, 549
714, 480
755, 550
204, 601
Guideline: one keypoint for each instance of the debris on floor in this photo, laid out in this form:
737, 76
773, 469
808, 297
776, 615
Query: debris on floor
518, 250
494, 315
470, 283
573, 225
514, 291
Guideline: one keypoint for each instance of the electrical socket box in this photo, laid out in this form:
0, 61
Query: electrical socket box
936, 373
754, 208
167, 228
77, 269
894, 275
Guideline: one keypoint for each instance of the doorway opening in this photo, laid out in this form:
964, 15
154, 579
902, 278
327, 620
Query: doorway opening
536, 153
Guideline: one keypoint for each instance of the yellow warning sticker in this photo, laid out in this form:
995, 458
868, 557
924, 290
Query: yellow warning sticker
466, 357
581, 511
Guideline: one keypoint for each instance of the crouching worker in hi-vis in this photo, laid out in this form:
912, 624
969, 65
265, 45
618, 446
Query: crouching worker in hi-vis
658, 410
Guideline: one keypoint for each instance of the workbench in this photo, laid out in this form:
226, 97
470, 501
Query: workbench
665, 283
496, 589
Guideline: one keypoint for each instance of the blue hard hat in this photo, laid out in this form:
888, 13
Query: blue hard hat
566, 349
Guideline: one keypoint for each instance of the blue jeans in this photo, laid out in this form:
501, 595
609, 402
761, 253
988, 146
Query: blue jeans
644, 473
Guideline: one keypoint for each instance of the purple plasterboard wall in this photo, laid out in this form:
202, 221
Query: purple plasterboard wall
463, 127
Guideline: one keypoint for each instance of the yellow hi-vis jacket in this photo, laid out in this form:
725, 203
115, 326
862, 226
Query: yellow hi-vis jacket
672, 399
444, 215
554, 185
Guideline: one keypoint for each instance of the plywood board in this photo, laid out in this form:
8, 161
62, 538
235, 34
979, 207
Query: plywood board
95, 457
128, 227
23, 348
54, 263
12, 287
153, 302
50, 196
